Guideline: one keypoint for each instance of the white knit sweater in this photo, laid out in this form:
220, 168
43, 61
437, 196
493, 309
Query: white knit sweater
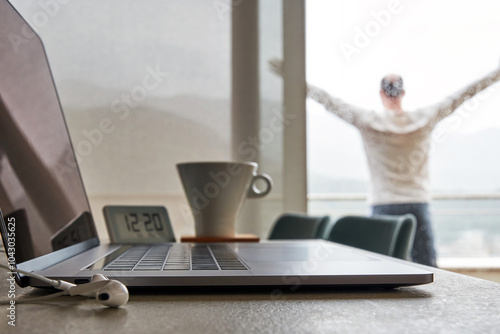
397, 145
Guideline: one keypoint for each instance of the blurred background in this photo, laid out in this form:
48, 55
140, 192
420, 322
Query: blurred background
160, 72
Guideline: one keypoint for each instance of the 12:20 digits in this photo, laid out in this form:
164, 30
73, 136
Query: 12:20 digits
151, 222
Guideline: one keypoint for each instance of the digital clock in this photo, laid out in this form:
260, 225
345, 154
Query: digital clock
138, 224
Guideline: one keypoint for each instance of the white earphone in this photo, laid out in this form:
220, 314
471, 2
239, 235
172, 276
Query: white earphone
107, 292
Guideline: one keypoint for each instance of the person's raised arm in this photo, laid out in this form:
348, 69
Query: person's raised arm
345, 111
450, 104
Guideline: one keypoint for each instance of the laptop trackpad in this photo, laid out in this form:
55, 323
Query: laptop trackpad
295, 253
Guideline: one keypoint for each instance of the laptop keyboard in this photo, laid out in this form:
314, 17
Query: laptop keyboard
176, 257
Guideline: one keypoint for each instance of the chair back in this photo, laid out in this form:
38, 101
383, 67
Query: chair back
300, 226
384, 234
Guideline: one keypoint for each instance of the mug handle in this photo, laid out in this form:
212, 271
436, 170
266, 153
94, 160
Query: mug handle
253, 192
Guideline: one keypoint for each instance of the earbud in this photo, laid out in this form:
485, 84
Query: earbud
113, 294
106, 292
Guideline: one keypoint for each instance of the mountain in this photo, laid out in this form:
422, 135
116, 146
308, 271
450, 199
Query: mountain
467, 162
149, 140
196, 128
462, 163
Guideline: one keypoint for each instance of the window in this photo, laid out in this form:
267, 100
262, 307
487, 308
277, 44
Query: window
160, 72
438, 48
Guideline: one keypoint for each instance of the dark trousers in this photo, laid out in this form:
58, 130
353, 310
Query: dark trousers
423, 247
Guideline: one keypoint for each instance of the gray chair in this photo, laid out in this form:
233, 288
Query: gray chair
388, 235
300, 226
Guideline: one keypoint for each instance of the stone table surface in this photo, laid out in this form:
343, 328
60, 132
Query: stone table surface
452, 304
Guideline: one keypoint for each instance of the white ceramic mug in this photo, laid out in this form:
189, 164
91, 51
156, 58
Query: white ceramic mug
216, 191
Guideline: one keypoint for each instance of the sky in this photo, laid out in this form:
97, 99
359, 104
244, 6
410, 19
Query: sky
438, 47
111, 43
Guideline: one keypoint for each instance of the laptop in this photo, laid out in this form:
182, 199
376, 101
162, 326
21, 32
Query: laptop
47, 226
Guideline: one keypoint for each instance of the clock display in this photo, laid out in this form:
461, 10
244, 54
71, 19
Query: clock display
79, 229
138, 224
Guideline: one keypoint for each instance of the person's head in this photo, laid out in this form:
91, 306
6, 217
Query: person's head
392, 91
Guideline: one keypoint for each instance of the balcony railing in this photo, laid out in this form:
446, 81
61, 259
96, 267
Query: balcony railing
467, 226
363, 196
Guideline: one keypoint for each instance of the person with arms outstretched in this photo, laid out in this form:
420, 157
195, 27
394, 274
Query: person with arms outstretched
397, 144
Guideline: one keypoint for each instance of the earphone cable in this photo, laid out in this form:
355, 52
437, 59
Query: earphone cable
51, 282
34, 299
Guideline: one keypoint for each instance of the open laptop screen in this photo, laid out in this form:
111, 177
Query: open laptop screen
40, 185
